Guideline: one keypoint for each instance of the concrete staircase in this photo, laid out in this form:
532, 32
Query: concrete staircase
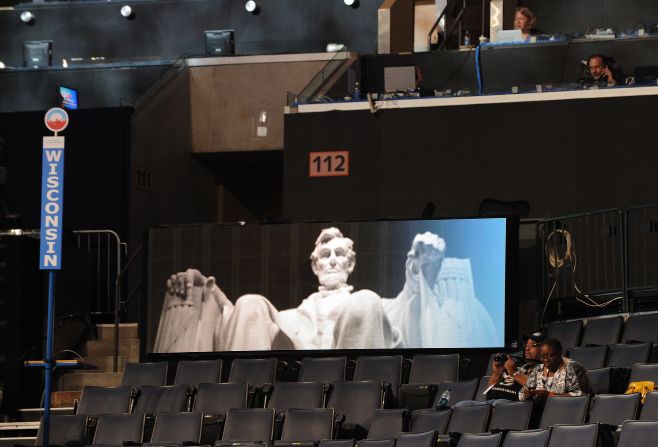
100, 353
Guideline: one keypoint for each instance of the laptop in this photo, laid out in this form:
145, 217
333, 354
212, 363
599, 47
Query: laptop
508, 36
399, 78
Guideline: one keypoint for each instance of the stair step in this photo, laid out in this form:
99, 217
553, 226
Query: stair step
126, 331
105, 363
64, 399
79, 380
102, 348
34, 414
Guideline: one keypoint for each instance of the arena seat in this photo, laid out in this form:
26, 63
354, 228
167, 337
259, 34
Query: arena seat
256, 372
568, 332
218, 398
627, 355
528, 438
590, 357
358, 401
386, 368
564, 410
644, 371
641, 328
464, 390
614, 409
119, 429
260, 374
584, 435
480, 440
97, 400
286, 395
194, 372
649, 410
141, 374
376, 442
65, 430
214, 400
336, 443
638, 433
422, 439
423, 421
176, 429
602, 331
469, 419
427, 371
600, 379
156, 399
388, 424
511, 416
322, 369
248, 426
306, 427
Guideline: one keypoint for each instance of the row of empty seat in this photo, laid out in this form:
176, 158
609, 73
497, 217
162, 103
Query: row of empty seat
605, 331
387, 427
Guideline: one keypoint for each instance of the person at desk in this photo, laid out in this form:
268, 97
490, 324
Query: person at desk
600, 71
526, 21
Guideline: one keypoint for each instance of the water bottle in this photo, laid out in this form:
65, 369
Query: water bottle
357, 92
444, 400
467, 38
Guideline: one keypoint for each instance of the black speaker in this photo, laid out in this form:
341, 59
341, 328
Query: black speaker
220, 42
37, 53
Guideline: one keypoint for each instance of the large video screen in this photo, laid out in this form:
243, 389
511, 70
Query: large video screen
318, 286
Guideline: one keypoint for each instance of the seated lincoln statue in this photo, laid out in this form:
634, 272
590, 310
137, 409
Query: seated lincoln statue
436, 307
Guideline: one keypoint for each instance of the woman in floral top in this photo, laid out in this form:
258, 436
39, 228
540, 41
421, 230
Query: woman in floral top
556, 375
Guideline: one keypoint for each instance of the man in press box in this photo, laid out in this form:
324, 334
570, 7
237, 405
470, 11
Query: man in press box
437, 307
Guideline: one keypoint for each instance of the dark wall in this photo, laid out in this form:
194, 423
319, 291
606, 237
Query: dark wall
96, 167
170, 29
562, 156
569, 16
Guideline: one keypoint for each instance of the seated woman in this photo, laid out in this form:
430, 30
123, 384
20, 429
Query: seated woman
556, 375
525, 20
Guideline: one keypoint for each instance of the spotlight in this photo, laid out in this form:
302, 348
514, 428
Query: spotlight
252, 7
27, 17
351, 3
2, 65
127, 12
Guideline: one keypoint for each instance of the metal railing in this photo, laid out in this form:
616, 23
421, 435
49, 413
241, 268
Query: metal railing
109, 251
583, 264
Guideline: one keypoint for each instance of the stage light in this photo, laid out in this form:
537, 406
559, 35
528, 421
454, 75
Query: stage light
27, 17
252, 7
352, 3
127, 12
2, 65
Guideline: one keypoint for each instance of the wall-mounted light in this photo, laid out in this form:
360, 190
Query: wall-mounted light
252, 7
27, 17
352, 3
127, 12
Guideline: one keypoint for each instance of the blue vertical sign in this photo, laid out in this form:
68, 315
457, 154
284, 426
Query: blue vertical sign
52, 203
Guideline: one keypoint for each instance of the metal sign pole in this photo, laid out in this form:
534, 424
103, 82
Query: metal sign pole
50, 251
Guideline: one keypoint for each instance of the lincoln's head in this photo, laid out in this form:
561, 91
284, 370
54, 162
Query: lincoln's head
333, 259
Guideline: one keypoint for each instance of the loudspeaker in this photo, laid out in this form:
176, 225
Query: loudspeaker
37, 53
220, 42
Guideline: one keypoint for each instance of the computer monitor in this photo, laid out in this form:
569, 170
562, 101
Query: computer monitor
68, 97
37, 53
220, 42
